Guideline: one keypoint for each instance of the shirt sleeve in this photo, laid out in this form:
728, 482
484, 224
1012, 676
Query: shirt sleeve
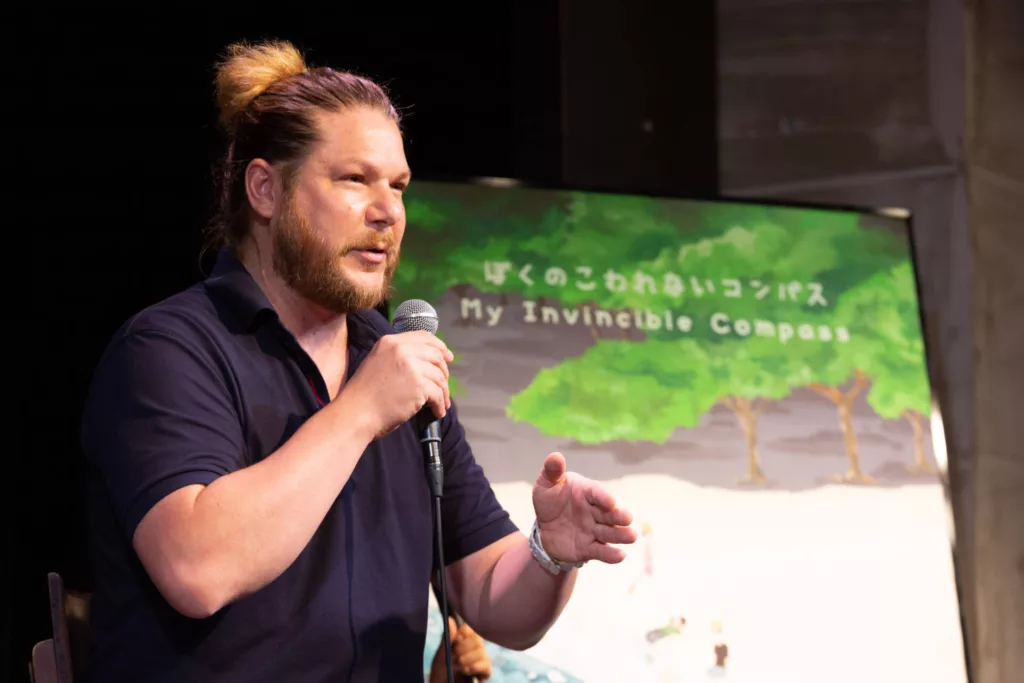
472, 518
159, 416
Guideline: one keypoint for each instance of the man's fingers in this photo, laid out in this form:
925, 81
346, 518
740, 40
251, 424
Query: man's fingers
600, 498
614, 534
474, 663
613, 517
430, 355
468, 639
608, 554
440, 360
434, 384
445, 396
438, 401
425, 338
431, 372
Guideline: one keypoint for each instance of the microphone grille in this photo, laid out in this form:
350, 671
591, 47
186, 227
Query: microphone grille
415, 314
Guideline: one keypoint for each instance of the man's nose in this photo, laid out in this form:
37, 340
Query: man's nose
385, 209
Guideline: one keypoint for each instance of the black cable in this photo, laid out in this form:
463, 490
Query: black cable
431, 441
443, 601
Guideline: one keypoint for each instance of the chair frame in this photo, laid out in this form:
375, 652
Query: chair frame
51, 660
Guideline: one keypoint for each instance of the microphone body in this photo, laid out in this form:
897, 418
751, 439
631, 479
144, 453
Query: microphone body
430, 438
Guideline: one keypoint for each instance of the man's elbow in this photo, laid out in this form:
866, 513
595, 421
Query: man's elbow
189, 576
192, 592
194, 604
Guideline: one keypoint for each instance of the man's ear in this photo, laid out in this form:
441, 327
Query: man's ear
263, 187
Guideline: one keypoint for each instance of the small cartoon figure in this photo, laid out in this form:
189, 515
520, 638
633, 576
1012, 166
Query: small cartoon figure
672, 628
721, 651
665, 651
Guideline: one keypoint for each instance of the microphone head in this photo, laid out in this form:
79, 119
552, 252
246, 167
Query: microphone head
415, 314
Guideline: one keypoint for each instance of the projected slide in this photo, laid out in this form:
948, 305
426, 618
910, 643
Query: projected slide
750, 381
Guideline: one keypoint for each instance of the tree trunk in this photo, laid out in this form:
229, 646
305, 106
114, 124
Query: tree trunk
920, 464
854, 473
844, 406
746, 412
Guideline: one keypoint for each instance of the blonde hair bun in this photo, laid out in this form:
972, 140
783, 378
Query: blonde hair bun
248, 70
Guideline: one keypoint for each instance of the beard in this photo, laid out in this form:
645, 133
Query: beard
311, 266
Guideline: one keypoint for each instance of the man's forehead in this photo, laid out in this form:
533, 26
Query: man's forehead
361, 136
358, 127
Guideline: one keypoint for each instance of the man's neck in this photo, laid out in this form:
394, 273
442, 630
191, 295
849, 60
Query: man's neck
321, 333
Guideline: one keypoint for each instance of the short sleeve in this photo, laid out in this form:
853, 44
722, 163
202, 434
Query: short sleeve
471, 515
159, 416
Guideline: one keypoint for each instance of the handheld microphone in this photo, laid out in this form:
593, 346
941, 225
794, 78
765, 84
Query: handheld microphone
411, 316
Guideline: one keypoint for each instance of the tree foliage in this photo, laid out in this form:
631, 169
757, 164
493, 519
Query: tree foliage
620, 390
744, 261
887, 307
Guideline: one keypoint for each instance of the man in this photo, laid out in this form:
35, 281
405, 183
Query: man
259, 504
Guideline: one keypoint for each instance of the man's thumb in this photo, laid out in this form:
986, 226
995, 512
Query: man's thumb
453, 629
554, 468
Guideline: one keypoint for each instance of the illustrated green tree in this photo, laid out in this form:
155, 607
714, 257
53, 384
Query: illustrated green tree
748, 375
842, 393
836, 371
620, 390
900, 386
901, 390
884, 351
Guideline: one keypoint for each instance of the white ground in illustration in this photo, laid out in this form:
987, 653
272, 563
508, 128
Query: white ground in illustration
833, 584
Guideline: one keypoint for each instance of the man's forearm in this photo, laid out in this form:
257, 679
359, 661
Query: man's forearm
519, 600
246, 528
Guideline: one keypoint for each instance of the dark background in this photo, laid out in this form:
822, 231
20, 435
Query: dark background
114, 137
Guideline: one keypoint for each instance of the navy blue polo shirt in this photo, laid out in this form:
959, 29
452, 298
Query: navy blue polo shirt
206, 383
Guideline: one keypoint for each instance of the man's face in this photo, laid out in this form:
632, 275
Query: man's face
337, 237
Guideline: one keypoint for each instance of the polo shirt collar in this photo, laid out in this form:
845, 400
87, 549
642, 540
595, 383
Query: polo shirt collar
235, 284
232, 281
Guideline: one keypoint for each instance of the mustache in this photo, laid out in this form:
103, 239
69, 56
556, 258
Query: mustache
385, 241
